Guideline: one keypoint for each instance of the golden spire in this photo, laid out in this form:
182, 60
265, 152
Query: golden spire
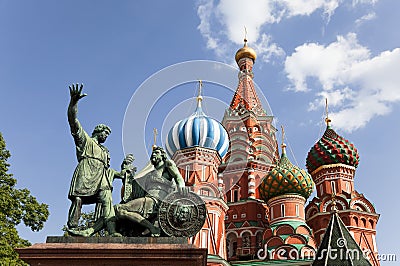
245, 36
155, 133
283, 145
199, 97
327, 119
245, 51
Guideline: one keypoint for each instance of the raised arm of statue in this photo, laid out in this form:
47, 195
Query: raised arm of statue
76, 94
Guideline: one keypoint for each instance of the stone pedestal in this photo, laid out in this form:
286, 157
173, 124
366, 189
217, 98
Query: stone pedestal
136, 251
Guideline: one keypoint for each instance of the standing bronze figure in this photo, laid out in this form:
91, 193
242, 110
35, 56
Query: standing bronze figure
93, 177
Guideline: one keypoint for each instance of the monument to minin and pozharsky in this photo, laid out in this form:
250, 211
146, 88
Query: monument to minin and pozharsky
151, 224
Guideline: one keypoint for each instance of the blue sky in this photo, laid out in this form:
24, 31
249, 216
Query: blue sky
307, 50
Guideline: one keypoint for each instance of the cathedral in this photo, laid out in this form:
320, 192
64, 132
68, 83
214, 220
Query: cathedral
257, 200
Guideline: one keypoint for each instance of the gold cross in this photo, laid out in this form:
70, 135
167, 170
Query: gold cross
200, 87
155, 132
327, 120
283, 145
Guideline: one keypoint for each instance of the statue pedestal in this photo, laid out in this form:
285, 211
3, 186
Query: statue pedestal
138, 251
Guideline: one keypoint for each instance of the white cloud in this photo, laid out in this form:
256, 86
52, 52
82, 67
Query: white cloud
266, 49
344, 70
204, 14
369, 2
237, 14
336, 98
312, 60
307, 7
358, 85
225, 20
367, 17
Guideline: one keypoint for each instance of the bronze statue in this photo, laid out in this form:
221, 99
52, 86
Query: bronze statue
153, 202
158, 184
93, 177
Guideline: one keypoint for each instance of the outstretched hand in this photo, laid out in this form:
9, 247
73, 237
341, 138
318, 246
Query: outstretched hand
127, 164
184, 191
76, 92
129, 158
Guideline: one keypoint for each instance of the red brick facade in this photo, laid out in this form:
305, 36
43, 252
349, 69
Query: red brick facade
356, 212
198, 166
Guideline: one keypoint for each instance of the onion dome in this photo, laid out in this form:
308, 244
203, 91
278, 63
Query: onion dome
198, 130
331, 149
285, 178
245, 52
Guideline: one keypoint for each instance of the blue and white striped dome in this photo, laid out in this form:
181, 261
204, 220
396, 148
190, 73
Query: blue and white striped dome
198, 130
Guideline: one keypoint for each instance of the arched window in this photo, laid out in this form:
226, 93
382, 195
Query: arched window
355, 221
364, 222
246, 240
371, 223
206, 192
231, 245
235, 195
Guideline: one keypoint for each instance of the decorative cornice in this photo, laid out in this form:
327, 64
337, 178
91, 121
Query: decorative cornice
285, 197
347, 211
182, 157
330, 166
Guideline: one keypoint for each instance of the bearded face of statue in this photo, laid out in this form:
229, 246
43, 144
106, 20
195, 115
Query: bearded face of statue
102, 136
156, 157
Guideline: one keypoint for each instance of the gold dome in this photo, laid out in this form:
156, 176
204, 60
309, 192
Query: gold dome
245, 52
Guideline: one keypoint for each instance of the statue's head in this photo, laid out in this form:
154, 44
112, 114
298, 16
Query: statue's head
101, 132
158, 154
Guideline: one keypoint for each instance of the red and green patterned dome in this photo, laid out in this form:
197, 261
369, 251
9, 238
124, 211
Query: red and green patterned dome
332, 149
285, 178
